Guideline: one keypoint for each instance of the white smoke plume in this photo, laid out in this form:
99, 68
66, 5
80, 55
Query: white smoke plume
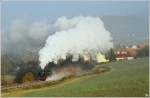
60, 73
21, 30
74, 36
24, 38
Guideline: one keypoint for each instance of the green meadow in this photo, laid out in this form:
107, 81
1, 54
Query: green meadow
125, 78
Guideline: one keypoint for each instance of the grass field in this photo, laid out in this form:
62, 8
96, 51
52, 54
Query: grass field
125, 78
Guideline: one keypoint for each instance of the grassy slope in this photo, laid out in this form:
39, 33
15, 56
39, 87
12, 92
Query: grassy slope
126, 78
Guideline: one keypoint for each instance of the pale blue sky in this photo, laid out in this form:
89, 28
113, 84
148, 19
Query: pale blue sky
132, 16
51, 10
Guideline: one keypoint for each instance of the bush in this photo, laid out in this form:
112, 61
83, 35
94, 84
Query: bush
143, 52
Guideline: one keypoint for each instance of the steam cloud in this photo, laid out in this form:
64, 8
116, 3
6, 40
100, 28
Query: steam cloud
75, 35
24, 39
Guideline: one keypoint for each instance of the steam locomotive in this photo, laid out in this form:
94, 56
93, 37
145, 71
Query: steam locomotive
33, 72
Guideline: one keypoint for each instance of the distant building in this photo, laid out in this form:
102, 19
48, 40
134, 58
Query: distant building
131, 53
126, 53
100, 58
120, 54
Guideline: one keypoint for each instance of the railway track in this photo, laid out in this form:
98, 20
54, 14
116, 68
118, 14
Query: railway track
33, 84
23, 85
39, 84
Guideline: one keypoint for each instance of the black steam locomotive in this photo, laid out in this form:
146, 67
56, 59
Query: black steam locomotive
31, 71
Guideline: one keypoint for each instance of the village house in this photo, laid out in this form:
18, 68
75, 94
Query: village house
126, 53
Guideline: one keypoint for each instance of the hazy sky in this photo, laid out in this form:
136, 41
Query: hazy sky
130, 16
48, 10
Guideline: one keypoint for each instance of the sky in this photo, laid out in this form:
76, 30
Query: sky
51, 10
130, 16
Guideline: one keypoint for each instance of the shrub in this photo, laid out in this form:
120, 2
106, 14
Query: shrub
143, 52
